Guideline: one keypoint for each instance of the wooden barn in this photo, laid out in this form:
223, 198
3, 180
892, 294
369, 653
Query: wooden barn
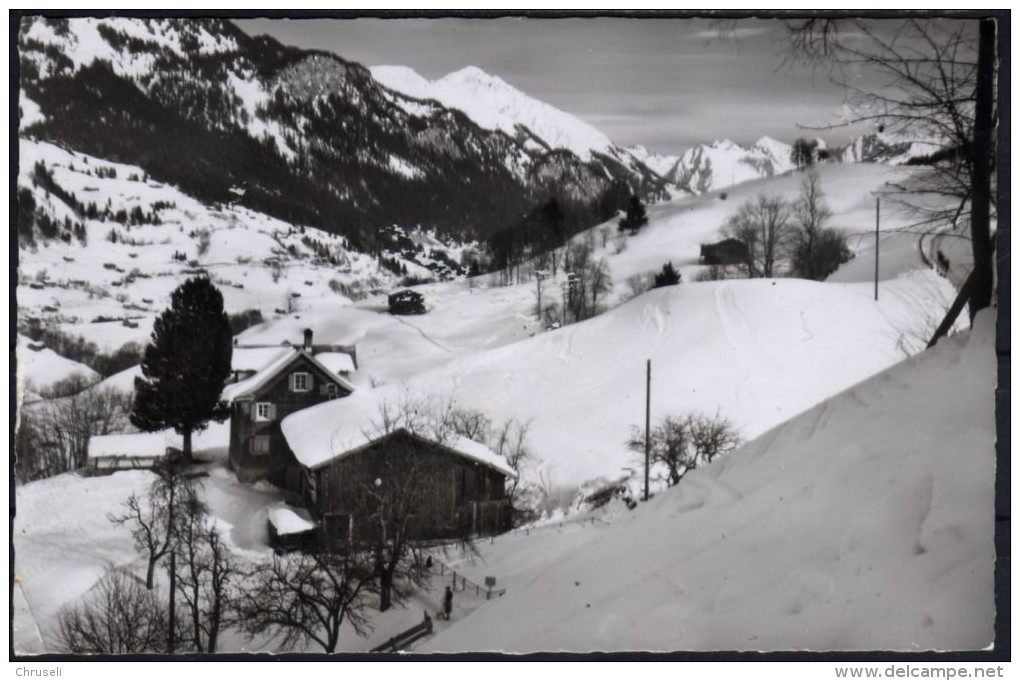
453, 488
726, 252
450, 493
294, 381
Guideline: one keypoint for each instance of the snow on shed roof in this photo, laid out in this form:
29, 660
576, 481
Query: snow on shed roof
337, 362
132, 445
340, 427
288, 520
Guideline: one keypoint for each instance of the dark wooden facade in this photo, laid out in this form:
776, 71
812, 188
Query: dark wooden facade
448, 494
258, 449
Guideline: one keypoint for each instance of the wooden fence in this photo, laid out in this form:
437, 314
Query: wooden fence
459, 582
406, 638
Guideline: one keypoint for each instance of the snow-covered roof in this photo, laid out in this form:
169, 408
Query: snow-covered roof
254, 359
336, 362
266, 373
341, 427
288, 520
132, 445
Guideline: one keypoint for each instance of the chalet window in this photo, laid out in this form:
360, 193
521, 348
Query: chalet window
331, 390
300, 382
265, 411
260, 445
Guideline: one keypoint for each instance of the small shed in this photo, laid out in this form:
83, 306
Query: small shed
130, 451
291, 529
726, 252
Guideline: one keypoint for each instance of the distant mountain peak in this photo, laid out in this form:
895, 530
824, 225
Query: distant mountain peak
494, 104
723, 163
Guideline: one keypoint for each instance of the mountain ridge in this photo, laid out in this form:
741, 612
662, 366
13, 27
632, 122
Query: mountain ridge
308, 136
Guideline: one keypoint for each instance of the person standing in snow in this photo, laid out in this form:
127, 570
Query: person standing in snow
447, 603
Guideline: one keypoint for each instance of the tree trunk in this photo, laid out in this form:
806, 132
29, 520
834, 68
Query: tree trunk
171, 634
981, 293
214, 626
151, 572
385, 591
187, 444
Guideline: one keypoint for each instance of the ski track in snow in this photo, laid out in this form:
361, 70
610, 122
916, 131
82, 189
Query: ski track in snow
427, 337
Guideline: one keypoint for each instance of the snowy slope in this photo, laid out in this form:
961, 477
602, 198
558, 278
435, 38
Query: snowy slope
863, 523
110, 288
759, 351
39, 367
495, 105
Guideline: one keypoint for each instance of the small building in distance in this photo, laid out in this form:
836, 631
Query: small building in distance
406, 302
726, 252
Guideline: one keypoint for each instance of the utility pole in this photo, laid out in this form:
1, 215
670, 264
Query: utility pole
648, 423
877, 203
172, 625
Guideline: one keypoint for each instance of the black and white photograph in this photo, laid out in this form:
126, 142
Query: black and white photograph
507, 334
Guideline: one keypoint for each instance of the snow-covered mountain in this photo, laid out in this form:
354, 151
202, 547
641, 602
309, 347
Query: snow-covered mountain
724, 163
494, 104
893, 149
303, 136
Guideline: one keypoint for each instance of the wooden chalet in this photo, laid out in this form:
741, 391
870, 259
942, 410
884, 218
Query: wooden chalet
454, 488
452, 494
293, 381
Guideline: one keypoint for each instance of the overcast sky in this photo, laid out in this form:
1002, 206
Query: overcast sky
665, 83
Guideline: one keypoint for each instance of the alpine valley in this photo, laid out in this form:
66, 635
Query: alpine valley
307, 187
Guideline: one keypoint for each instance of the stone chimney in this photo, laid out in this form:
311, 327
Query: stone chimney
308, 340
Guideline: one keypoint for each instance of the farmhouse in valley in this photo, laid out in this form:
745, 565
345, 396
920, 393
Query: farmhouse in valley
299, 423
293, 380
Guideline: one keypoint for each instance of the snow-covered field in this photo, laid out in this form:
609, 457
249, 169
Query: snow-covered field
757, 352
864, 523
110, 288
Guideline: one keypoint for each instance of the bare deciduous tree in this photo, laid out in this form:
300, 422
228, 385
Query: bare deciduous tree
588, 282
304, 598
681, 443
154, 520
118, 616
510, 441
206, 571
763, 224
712, 436
73, 410
938, 85
815, 250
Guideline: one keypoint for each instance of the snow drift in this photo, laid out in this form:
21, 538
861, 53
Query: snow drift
864, 523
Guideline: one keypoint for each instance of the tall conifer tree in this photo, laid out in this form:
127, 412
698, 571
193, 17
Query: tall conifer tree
185, 364
636, 217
